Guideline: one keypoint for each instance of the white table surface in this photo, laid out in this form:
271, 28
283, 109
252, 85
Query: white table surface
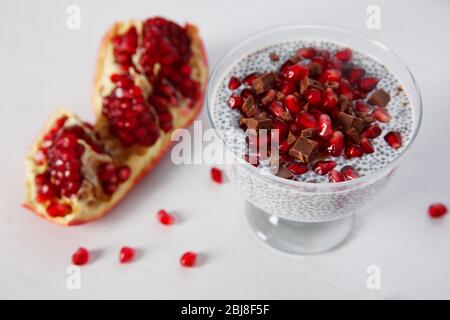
44, 65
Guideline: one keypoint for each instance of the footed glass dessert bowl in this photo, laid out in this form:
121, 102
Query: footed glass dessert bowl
330, 158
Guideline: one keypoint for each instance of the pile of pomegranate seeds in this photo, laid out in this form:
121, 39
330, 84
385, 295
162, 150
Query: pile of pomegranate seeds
437, 210
188, 259
216, 175
166, 47
131, 119
60, 153
165, 218
126, 254
80, 257
322, 105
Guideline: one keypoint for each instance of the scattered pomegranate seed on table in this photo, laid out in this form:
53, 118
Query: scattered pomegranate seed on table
126, 254
437, 210
165, 218
216, 175
188, 259
80, 257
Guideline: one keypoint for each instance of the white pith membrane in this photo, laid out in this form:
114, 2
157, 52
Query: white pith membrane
139, 159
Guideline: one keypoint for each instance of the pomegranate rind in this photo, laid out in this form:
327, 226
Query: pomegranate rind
149, 157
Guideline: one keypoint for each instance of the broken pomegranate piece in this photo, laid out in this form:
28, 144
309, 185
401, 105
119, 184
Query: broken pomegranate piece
76, 176
150, 80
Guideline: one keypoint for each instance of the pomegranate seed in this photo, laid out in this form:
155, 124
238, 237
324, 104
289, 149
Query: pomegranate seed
357, 94
282, 130
333, 75
277, 108
325, 129
235, 102
234, 83
353, 151
123, 173
296, 72
323, 167
345, 89
80, 257
437, 210
335, 64
366, 146
292, 104
306, 120
361, 106
394, 139
329, 99
126, 254
307, 53
165, 218
287, 88
314, 97
248, 80
107, 172
297, 168
336, 144
381, 114
371, 132
368, 84
354, 74
58, 210
344, 55
188, 259
335, 176
321, 61
284, 147
216, 175
349, 173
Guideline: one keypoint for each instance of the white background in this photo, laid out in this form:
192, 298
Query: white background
44, 65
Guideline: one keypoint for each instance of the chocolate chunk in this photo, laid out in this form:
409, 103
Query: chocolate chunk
258, 123
284, 173
304, 149
286, 116
353, 136
308, 82
249, 106
264, 82
315, 69
280, 96
379, 98
308, 133
345, 103
332, 84
269, 97
295, 59
291, 138
368, 119
348, 121
274, 57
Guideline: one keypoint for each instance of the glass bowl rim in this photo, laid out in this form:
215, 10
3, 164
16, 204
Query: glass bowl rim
294, 183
